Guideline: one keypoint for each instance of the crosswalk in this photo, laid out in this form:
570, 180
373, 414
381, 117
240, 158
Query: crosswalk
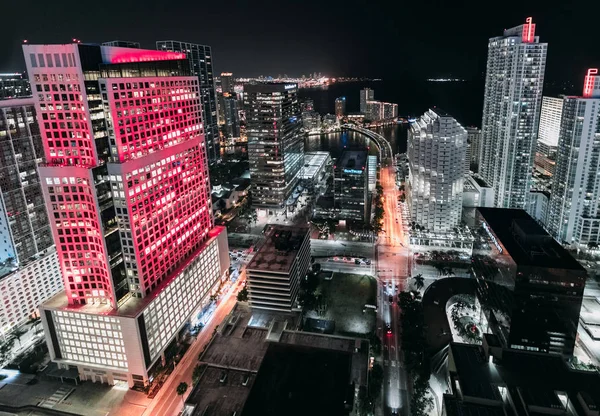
58, 396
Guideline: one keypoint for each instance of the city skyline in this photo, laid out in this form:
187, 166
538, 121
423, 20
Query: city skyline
316, 48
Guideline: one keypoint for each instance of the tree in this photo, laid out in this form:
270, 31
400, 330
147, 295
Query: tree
592, 245
419, 281
197, 373
35, 321
181, 389
242, 295
17, 333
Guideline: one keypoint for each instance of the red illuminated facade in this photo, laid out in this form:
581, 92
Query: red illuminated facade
124, 154
588, 83
528, 35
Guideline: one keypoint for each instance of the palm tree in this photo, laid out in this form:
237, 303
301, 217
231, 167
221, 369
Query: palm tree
419, 281
181, 389
35, 321
17, 333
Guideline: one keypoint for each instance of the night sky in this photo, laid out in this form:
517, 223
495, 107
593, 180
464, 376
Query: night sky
390, 40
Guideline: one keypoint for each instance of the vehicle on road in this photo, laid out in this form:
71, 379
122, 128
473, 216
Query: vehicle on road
391, 299
388, 329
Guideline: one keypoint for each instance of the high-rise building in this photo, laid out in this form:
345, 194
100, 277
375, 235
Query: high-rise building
366, 94
374, 110
200, 59
227, 82
545, 152
14, 85
511, 108
474, 142
340, 107
231, 114
390, 111
574, 216
275, 141
311, 120
29, 269
275, 271
531, 298
436, 159
307, 104
126, 178
351, 184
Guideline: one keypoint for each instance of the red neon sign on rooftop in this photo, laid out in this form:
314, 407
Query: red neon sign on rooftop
528, 31
141, 55
588, 83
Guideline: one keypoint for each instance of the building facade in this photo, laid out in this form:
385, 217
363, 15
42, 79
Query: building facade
366, 94
276, 269
545, 152
275, 141
532, 297
14, 85
474, 149
511, 108
29, 269
436, 156
126, 177
340, 107
351, 185
231, 114
227, 83
201, 64
574, 216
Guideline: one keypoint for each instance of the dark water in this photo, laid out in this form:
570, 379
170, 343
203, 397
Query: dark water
463, 100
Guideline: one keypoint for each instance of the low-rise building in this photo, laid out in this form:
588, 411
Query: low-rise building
316, 166
276, 269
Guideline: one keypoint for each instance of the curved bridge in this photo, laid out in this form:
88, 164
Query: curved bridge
385, 148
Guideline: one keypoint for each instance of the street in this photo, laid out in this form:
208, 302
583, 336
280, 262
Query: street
392, 271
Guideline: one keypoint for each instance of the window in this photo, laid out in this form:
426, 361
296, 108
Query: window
33, 60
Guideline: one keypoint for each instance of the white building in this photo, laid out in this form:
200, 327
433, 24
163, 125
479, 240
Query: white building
372, 168
511, 108
436, 155
574, 215
477, 193
275, 271
537, 205
550, 117
473, 148
366, 94
29, 269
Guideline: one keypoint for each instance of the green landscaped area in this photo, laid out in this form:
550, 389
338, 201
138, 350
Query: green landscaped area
343, 300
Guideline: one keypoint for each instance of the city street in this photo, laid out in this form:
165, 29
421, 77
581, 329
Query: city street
392, 271
167, 402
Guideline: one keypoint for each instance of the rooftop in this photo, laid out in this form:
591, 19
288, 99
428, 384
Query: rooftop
474, 373
313, 162
280, 248
352, 159
455, 407
526, 241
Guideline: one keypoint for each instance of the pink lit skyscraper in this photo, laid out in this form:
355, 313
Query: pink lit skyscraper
128, 195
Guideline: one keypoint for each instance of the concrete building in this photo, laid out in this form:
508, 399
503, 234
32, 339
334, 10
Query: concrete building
574, 216
545, 152
14, 85
372, 172
307, 104
511, 108
122, 44
227, 83
201, 65
275, 142
366, 94
311, 121
477, 193
532, 297
340, 107
473, 149
138, 194
537, 205
275, 271
351, 184
436, 155
29, 269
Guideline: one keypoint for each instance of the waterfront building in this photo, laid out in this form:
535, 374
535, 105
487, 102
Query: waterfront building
201, 64
340, 107
390, 111
275, 271
275, 142
374, 110
29, 269
366, 94
531, 299
574, 216
227, 83
126, 184
511, 108
14, 85
436, 156
351, 185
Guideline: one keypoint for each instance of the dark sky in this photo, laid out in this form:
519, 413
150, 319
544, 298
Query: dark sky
374, 38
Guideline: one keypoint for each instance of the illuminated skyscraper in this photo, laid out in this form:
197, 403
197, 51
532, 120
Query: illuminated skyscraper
275, 141
200, 59
436, 169
231, 115
547, 142
366, 94
340, 107
125, 178
574, 216
227, 82
511, 108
